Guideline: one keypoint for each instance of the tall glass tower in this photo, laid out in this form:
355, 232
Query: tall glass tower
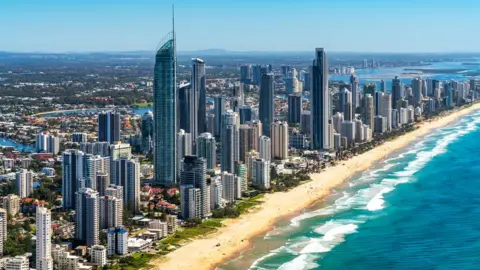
319, 98
164, 112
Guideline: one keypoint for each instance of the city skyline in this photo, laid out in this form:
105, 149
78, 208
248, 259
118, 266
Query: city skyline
132, 26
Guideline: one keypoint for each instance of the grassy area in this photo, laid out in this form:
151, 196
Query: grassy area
142, 105
137, 260
184, 235
244, 205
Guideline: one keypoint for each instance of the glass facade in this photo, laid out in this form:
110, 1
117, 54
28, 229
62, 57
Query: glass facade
165, 113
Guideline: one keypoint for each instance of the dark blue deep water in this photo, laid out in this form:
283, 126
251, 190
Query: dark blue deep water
419, 209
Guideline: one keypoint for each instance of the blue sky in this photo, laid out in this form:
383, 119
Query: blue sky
241, 25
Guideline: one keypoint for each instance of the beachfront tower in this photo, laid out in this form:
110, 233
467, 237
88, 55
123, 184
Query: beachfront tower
198, 90
319, 100
266, 108
164, 112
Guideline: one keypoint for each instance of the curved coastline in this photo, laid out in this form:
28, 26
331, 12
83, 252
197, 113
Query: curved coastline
235, 235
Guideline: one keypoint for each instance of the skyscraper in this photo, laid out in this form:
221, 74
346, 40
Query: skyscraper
354, 89
184, 147
43, 222
294, 108
261, 172
320, 103
383, 86
79, 137
183, 107
245, 74
397, 94
280, 140
109, 127
219, 110
265, 148
417, 85
229, 141
369, 112
266, 103
193, 174
47, 143
245, 113
126, 173
164, 111
87, 217
3, 228
147, 131
72, 170
24, 183
199, 86
207, 148
111, 211
117, 241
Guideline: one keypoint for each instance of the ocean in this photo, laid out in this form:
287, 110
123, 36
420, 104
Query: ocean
417, 209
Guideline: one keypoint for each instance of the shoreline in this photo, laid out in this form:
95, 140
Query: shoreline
234, 237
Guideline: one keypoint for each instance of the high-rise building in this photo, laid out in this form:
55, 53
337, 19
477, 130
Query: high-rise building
417, 85
46, 143
109, 127
87, 217
190, 202
117, 241
397, 92
294, 108
337, 121
245, 74
369, 88
103, 181
3, 228
355, 91
183, 107
11, 203
99, 255
72, 170
320, 101
385, 109
120, 150
126, 173
383, 86
241, 172
219, 110
266, 102
369, 112
261, 172
250, 157
207, 148
43, 222
147, 131
280, 140
164, 111
380, 124
24, 183
345, 104
184, 147
228, 187
193, 174
96, 148
306, 123
79, 137
265, 148
245, 113
229, 141
111, 211
348, 131
199, 87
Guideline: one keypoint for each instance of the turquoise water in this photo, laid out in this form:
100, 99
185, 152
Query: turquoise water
418, 209
20, 147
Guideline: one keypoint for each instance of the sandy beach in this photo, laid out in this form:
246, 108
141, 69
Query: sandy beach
234, 236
